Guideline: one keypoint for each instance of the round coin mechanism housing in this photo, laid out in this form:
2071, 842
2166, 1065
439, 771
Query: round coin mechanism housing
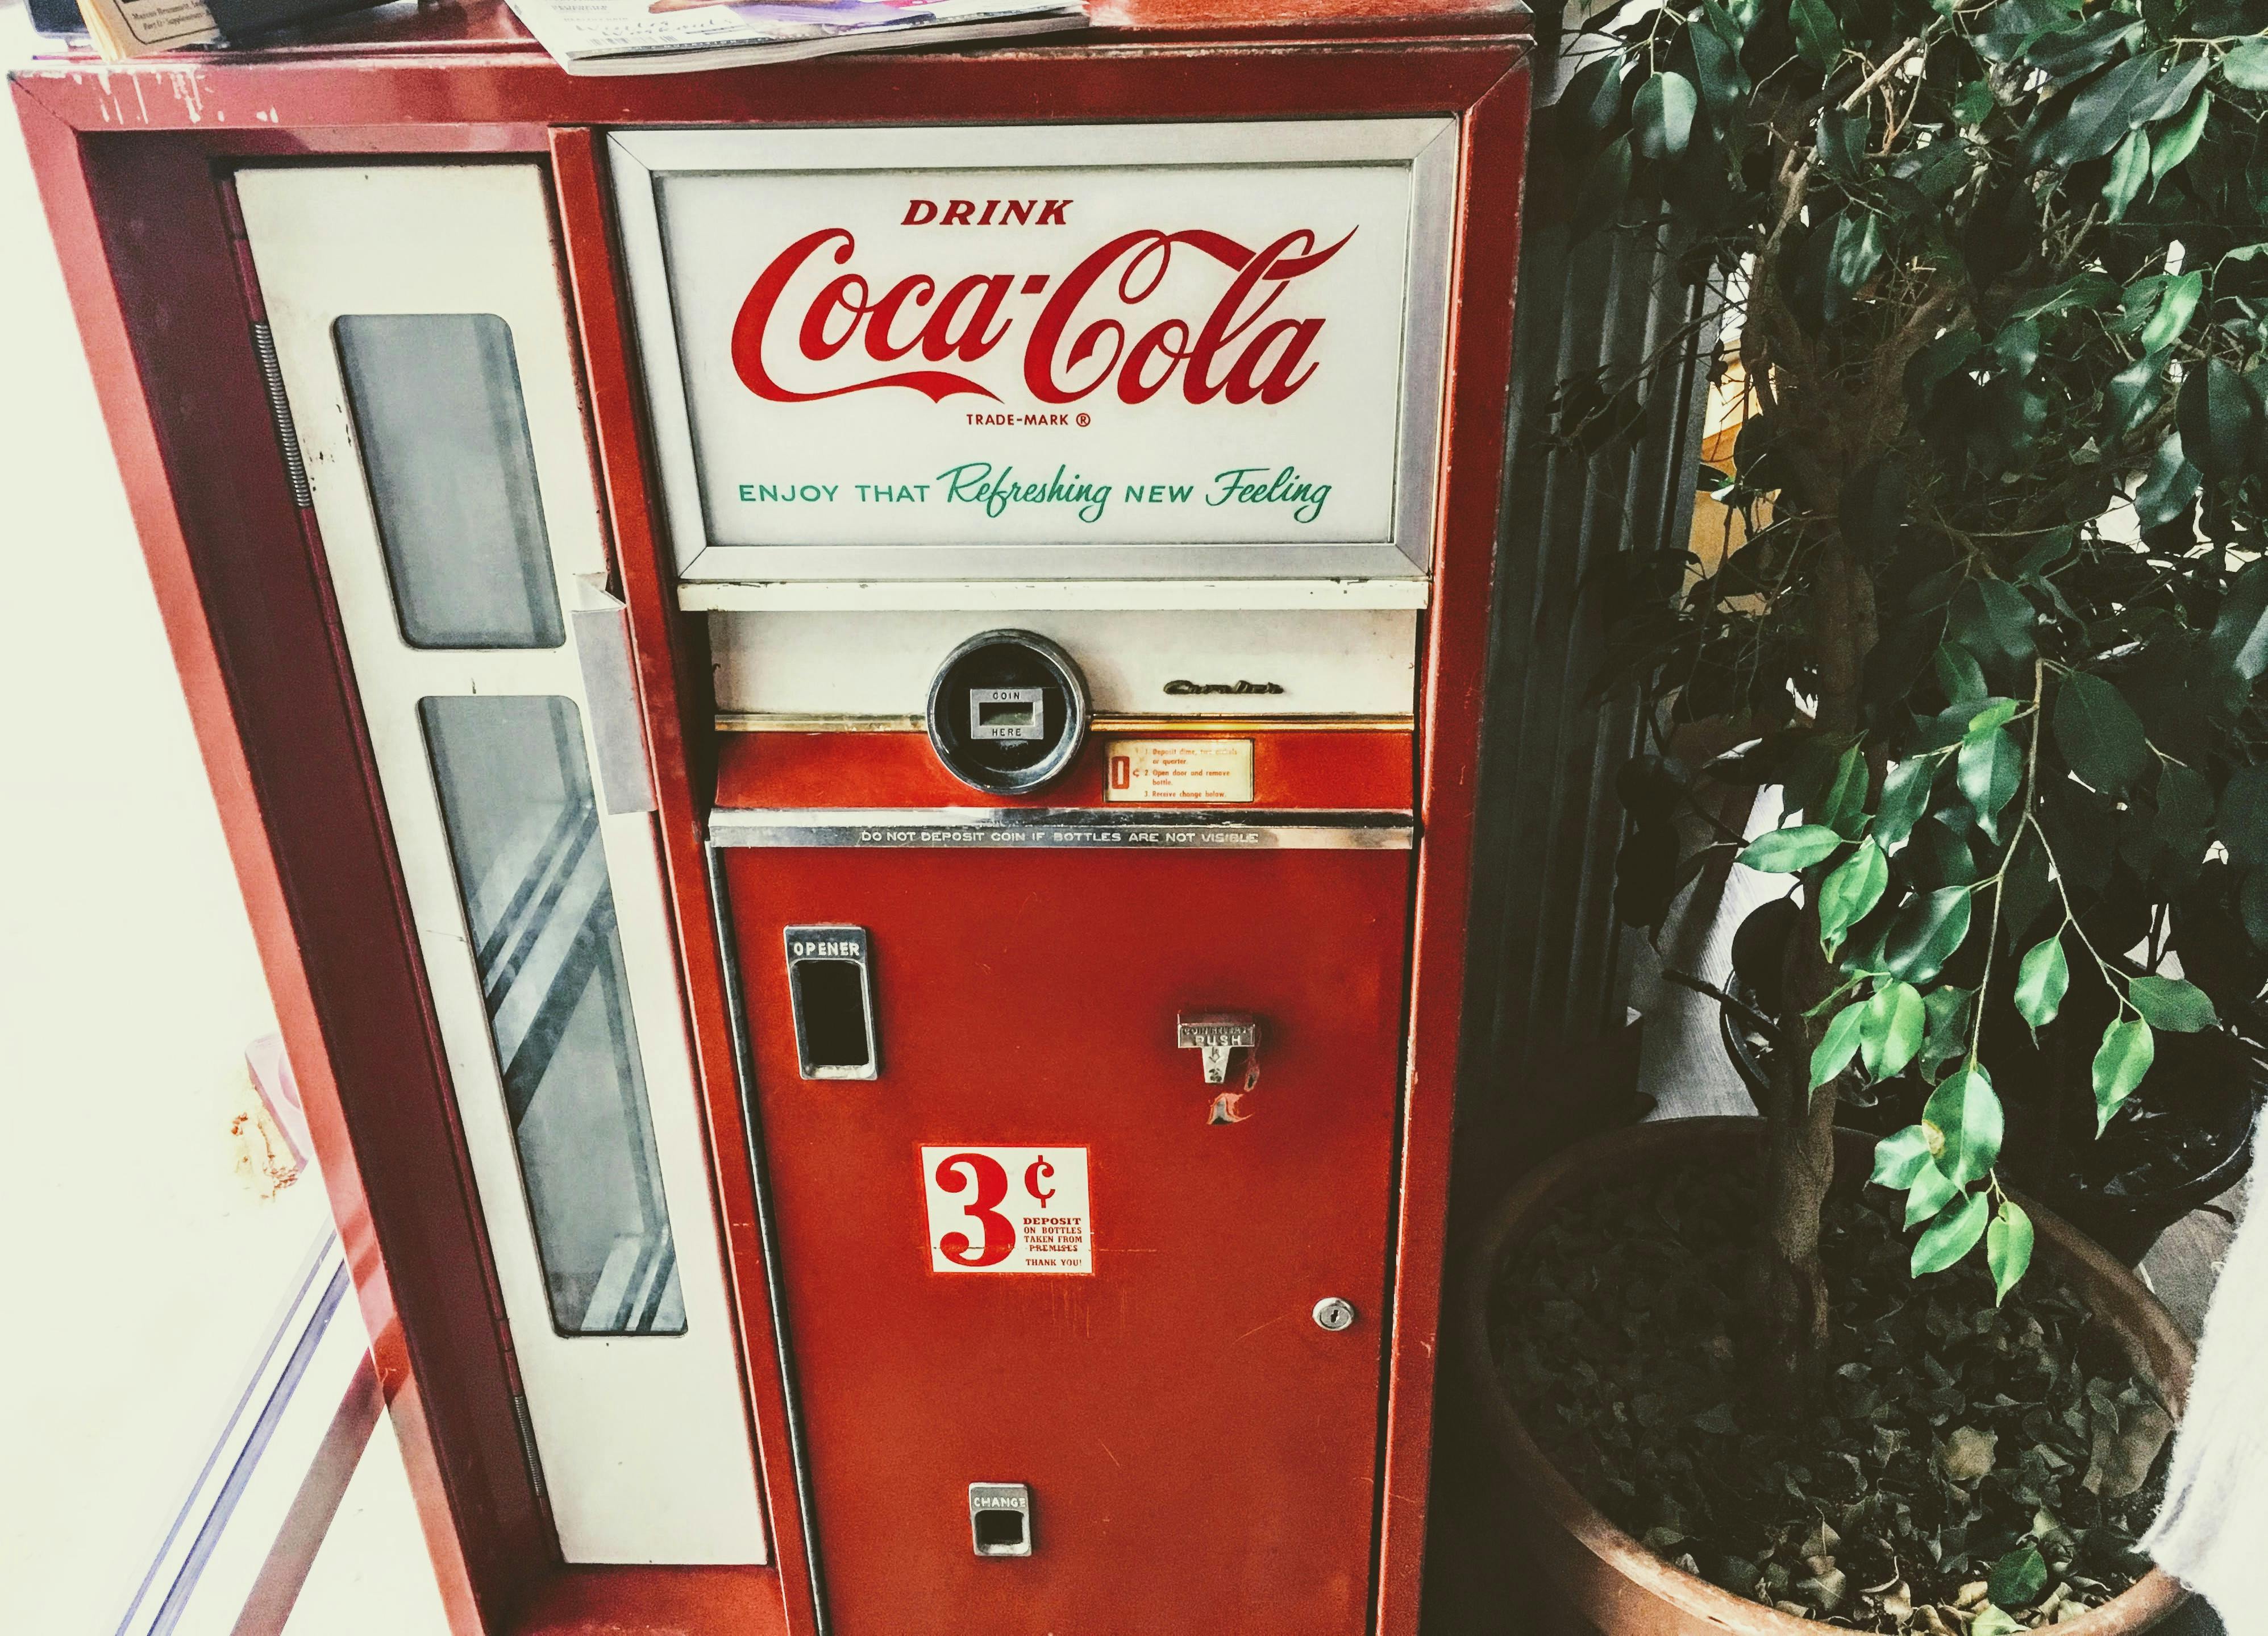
1007, 712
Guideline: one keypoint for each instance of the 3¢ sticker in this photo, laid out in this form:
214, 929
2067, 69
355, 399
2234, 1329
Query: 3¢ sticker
1007, 1209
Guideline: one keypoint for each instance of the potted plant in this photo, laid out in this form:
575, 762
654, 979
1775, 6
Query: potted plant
1998, 274
2181, 1141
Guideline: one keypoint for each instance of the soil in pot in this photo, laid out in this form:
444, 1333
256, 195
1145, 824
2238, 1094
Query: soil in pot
1962, 1468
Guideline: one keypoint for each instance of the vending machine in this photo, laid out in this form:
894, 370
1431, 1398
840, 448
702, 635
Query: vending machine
847, 698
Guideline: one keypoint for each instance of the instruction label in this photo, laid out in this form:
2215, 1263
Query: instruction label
1154, 771
1007, 1209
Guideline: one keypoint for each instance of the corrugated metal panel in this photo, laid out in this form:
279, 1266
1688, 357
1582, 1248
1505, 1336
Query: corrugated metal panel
1544, 962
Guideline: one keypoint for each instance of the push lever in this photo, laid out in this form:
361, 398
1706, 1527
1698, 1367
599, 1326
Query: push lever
1214, 1034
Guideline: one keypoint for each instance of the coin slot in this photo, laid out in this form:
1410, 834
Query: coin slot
1007, 711
1006, 714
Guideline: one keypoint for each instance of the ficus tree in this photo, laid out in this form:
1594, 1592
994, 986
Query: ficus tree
1996, 274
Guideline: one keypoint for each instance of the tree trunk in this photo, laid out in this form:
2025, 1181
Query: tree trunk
1789, 1285
1788, 1291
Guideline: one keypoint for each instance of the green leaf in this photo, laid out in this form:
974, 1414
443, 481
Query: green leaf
2127, 1050
1839, 1045
2172, 1003
1891, 1032
2177, 141
1818, 35
2018, 344
2176, 302
2167, 491
2184, 819
1928, 929
2130, 395
1936, 363
1928, 1193
1940, 853
2008, 1255
1595, 92
1992, 617
1661, 117
2080, 290
1784, 852
1843, 809
2025, 888
2245, 815
1852, 254
1959, 674
1975, 104
1950, 1237
2127, 94
1999, 713
1990, 768
2065, 54
1898, 1159
1851, 892
1966, 1111
2129, 168
1842, 141
2216, 413
2240, 630
2042, 981
1905, 796
1716, 42
1949, 1026
1600, 204
2247, 65
2100, 734
2018, 1578
1733, 29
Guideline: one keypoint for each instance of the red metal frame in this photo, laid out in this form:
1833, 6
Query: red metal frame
131, 162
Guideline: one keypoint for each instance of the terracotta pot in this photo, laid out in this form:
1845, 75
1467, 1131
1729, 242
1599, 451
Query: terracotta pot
1616, 1584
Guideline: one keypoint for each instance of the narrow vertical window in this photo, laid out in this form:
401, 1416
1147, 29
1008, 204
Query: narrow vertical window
443, 432
523, 826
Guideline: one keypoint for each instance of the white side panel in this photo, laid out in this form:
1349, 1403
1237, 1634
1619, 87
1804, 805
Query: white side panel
882, 664
642, 1438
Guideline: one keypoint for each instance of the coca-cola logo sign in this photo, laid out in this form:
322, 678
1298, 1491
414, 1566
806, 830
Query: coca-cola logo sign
1085, 355
1097, 330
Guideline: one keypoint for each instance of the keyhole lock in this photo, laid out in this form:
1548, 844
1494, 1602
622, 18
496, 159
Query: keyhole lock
1213, 1035
1333, 1314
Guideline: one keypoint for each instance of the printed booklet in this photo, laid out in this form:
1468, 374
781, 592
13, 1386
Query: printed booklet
669, 36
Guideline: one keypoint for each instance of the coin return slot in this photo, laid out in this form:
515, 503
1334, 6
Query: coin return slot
1000, 1519
833, 1003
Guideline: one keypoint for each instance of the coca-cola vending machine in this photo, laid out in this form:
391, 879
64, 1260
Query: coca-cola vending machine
847, 697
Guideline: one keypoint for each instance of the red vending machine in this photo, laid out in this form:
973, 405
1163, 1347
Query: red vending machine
846, 696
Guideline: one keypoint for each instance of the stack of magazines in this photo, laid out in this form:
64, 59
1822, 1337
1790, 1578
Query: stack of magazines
618, 36
666, 36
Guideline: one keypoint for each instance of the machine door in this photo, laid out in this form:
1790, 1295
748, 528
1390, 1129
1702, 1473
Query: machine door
420, 340
1037, 1261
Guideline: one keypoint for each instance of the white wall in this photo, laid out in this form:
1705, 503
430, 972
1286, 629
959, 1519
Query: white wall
139, 1266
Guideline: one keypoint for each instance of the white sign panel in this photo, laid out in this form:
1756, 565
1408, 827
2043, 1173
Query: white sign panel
1039, 354
1007, 1209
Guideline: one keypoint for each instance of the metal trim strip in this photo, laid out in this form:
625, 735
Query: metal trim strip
744, 1081
1147, 828
764, 721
